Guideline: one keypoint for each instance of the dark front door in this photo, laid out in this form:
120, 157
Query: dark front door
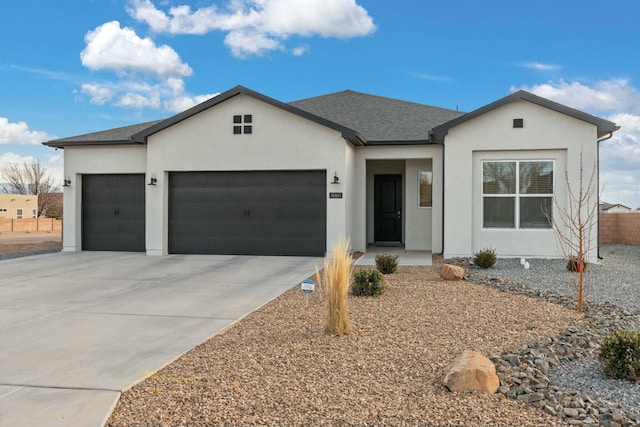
248, 213
113, 213
388, 208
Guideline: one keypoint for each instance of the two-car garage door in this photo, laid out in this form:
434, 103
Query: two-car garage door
248, 212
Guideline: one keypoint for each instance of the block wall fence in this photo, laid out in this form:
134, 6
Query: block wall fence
620, 228
30, 224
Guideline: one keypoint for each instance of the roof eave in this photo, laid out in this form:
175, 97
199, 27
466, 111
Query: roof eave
62, 143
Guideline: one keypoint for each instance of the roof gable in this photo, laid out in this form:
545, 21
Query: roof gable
141, 137
379, 119
604, 126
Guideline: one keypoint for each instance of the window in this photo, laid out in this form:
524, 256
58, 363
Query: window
517, 194
425, 188
34, 213
239, 120
19, 214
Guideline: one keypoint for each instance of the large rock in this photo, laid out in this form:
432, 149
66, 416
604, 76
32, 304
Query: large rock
472, 371
451, 272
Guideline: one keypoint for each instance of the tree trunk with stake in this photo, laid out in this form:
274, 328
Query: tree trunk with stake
573, 223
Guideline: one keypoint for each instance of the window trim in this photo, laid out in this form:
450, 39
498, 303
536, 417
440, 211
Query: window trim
517, 195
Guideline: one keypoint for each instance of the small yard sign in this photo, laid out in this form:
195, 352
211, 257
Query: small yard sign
307, 286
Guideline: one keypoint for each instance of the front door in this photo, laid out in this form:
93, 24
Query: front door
387, 208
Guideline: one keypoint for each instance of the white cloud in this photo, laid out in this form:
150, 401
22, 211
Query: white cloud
168, 94
619, 102
431, 77
300, 50
20, 134
13, 158
99, 94
539, 66
110, 47
257, 26
604, 96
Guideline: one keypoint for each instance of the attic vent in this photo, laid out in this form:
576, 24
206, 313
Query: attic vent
518, 123
241, 124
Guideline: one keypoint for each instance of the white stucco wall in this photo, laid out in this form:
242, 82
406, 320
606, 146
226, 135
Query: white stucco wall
117, 159
546, 135
280, 141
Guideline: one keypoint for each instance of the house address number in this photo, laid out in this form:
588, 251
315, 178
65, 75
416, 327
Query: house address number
335, 195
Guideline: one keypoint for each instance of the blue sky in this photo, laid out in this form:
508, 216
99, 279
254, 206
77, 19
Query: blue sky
69, 67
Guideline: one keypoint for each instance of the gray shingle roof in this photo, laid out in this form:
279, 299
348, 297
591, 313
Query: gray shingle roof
121, 135
378, 118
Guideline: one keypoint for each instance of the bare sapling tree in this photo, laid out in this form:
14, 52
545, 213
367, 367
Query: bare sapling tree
574, 223
30, 178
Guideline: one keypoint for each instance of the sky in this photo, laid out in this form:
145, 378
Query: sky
69, 67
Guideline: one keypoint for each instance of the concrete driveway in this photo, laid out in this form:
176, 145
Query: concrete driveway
76, 329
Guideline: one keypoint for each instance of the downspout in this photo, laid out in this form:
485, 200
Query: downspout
443, 196
598, 186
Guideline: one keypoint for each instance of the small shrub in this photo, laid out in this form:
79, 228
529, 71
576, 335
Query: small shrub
386, 263
485, 258
572, 264
620, 353
368, 282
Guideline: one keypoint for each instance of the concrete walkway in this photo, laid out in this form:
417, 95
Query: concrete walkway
405, 257
76, 329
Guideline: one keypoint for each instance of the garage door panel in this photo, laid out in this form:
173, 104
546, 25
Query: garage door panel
262, 213
113, 212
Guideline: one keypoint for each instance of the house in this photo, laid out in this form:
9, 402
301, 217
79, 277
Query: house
243, 173
614, 208
18, 206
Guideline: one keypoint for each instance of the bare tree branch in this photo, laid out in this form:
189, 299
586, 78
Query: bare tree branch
574, 223
30, 178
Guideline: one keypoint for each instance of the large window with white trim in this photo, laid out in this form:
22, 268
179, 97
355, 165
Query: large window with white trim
517, 194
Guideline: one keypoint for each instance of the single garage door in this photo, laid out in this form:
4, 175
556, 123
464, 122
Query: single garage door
113, 213
248, 213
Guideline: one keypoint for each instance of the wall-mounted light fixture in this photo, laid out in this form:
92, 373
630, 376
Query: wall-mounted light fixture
336, 180
153, 179
67, 181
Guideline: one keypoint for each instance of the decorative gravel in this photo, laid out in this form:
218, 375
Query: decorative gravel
275, 366
18, 250
615, 279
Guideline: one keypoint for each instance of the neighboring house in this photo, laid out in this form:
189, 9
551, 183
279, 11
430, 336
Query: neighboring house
243, 173
614, 208
18, 206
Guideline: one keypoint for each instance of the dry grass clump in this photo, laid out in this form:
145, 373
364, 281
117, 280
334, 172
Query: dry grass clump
335, 281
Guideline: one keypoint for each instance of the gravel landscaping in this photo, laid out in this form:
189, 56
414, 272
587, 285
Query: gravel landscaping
615, 279
574, 379
275, 367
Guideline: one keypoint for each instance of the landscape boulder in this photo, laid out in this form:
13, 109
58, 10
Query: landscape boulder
472, 371
451, 272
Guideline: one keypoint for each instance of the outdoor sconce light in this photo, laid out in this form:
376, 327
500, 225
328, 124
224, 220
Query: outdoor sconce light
336, 180
67, 181
153, 179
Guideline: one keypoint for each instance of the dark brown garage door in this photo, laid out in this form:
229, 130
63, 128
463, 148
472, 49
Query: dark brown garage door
248, 213
113, 213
